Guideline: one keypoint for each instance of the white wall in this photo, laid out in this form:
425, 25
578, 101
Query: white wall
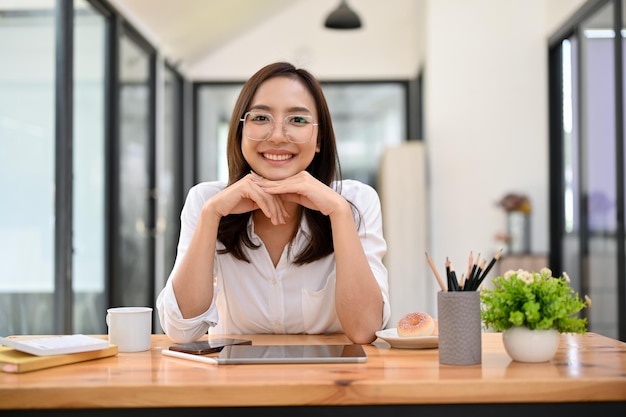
486, 118
404, 205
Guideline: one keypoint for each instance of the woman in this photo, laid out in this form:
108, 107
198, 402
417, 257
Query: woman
285, 247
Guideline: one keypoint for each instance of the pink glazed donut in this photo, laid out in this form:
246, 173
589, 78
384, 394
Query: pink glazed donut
416, 324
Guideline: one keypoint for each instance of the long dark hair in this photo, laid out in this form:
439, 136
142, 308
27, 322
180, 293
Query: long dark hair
325, 166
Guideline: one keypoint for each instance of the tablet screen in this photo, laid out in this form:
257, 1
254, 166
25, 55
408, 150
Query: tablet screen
243, 354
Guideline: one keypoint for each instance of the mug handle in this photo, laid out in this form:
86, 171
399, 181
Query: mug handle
108, 319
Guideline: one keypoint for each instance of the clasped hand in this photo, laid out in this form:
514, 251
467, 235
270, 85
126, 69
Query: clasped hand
254, 192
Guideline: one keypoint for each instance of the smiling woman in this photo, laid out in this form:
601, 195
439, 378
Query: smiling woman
289, 149
294, 248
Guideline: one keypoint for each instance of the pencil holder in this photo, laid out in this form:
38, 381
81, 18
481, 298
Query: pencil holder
459, 327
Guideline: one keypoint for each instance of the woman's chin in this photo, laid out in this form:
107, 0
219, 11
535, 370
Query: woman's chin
275, 172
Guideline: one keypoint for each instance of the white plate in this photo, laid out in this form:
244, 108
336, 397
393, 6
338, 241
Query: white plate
391, 336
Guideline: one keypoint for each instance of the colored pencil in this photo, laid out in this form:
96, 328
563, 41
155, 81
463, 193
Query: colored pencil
435, 272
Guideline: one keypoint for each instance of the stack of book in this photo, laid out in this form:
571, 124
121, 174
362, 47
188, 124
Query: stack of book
25, 354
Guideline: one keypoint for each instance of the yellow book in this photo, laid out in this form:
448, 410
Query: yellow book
14, 361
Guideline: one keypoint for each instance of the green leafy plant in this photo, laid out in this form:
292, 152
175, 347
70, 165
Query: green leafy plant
535, 300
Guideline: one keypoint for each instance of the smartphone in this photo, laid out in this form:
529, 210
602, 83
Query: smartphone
204, 347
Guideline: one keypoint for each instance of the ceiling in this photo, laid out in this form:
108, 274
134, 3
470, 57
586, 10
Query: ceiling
234, 34
188, 30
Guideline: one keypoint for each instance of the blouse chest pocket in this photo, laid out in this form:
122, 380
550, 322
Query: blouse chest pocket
318, 309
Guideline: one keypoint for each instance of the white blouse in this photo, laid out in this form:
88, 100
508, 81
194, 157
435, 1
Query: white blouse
256, 297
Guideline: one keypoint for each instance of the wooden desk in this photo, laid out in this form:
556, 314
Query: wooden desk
588, 374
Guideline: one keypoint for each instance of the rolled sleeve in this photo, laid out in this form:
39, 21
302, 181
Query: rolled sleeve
178, 328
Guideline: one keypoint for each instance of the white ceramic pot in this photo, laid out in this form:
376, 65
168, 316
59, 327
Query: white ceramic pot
525, 345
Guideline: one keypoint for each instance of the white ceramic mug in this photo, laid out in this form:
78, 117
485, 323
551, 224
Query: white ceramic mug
130, 328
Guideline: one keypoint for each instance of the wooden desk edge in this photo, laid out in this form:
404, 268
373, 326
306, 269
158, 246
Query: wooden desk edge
331, 392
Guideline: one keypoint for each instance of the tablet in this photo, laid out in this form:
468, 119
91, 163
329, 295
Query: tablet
248, 354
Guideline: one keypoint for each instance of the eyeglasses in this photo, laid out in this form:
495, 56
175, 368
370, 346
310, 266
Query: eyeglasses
259, 126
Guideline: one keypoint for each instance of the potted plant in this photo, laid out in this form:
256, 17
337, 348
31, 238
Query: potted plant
531, 309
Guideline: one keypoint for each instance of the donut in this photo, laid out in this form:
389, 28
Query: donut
416, 324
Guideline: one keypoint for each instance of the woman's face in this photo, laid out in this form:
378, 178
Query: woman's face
277, 158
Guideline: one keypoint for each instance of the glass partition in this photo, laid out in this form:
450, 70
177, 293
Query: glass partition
571, 162
213, 110
598, 174
133, 279
89, 171
113, 181
367, 118
169, 178
27, 167
590, 235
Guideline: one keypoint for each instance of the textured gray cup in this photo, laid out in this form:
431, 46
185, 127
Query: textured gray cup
459, 327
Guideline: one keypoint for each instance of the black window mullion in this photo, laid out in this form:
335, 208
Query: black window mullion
619, 168
583, 222
152, 171
557, 183
63, 295
194, 171
112, 133
179, 129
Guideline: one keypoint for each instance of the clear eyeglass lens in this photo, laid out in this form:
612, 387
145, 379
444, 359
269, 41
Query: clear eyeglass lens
259, 127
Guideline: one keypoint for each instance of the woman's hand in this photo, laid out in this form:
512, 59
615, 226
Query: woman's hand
304, 189
247, 195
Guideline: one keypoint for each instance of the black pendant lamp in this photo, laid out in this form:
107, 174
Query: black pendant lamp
343, 18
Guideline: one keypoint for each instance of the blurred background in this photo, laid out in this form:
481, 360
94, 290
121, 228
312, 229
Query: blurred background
111, 110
